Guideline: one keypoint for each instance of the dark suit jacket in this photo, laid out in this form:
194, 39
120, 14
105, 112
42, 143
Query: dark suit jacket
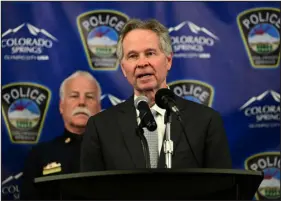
111, 143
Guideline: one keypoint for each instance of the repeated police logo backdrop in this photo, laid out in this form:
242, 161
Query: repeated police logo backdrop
226, 56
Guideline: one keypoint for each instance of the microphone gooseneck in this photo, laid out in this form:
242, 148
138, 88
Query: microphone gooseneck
165, 99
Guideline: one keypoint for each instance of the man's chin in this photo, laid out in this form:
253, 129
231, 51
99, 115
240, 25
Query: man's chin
146, 87
80, 123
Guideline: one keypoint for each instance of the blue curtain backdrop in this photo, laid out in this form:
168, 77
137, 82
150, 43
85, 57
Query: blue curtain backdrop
226, 56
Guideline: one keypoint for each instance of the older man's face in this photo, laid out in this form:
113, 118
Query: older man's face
144, 64
80, 101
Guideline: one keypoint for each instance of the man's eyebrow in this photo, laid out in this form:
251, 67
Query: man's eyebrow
150, 49
86, 93
90, 92
147, 50
131, 52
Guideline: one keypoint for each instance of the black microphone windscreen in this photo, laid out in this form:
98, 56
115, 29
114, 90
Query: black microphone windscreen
147, 119
140, 99
160, 96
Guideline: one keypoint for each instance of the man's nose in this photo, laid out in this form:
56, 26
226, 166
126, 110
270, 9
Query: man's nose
142, 61
82, 101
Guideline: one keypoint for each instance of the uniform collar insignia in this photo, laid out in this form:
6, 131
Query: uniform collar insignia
67, 140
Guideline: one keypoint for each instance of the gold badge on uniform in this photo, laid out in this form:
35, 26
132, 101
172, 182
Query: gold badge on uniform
52, 168
67, 140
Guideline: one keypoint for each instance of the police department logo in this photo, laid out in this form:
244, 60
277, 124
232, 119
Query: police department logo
193, 90
190, 40
10, 188
263, 111
99, 31
27, 42
24, 108
259, 29
269, 163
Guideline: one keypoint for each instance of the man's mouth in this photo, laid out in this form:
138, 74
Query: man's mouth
81, 113
144, 75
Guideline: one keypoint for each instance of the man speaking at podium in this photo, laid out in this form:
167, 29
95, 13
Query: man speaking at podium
114, 141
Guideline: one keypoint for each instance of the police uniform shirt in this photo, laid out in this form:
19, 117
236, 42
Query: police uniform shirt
58, 156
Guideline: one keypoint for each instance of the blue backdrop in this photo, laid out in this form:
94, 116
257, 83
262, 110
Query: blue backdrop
226, 56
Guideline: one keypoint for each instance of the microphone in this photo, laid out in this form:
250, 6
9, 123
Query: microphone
165, 99
146, 117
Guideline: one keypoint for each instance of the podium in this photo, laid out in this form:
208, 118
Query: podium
152, 184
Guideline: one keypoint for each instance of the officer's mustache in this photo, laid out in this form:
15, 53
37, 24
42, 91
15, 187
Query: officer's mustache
81, 110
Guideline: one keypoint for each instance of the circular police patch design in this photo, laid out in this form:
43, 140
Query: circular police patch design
99, 31
269, 163
24, 107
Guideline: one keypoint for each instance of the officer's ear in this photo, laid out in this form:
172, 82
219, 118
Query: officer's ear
61, 106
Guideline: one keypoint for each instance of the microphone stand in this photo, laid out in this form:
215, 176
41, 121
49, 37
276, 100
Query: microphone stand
139, 131
168, 143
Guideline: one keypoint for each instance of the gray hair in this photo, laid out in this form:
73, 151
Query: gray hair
153, 25
80, 73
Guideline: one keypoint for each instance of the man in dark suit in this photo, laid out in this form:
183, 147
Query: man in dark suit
111, 141
79, 99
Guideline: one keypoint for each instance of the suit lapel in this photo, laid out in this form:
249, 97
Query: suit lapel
128, 124
175, 133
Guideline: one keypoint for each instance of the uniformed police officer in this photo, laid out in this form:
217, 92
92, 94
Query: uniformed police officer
79, 99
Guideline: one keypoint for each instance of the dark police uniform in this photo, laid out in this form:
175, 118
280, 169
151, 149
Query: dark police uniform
58, 156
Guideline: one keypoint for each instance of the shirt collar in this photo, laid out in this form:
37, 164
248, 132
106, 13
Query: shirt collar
68, 134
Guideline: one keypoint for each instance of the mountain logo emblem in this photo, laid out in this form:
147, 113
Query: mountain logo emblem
190, 40
32, 30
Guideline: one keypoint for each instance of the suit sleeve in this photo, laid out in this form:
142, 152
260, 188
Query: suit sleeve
30, 172
91, 155
217, 153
